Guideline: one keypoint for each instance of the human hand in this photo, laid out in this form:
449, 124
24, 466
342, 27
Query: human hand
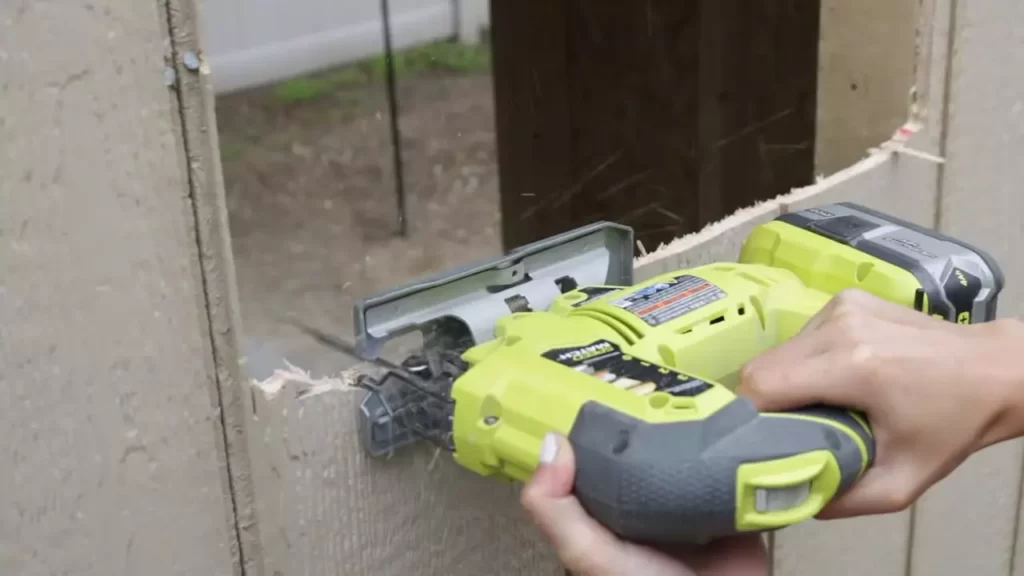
588, 549
934, 392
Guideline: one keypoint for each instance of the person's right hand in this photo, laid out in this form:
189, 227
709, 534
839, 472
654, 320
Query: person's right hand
587, 548
934, 392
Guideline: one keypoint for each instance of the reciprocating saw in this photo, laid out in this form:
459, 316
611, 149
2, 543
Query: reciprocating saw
556, 336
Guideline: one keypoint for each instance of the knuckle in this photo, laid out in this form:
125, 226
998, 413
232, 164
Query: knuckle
902, 494
863, 363
863, 357
752, 379
848, 320
528, 499
899, 499
845, 298
750, 375
849, 301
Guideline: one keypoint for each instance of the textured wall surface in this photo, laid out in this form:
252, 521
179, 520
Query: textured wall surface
111, 438
866, 66
969, 523
325, 507
124, 425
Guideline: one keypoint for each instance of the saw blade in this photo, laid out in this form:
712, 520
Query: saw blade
408, 401
336, 343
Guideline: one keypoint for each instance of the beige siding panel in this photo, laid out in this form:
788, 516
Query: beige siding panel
865, 73
967, 524
326, 507
110, 432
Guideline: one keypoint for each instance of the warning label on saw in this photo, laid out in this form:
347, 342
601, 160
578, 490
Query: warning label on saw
605, 361
664, 301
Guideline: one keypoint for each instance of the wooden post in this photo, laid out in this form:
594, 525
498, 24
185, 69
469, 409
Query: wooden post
665, 116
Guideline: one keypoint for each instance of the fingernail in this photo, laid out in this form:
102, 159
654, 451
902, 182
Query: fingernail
548, 449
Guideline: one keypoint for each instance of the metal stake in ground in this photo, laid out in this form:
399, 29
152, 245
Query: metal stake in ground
396, 139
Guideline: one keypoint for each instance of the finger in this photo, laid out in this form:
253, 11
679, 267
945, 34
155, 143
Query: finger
882, 490
857, 301
743, 555
820, 316
799, 379
556, 471
773, 369
806, 344
582, 544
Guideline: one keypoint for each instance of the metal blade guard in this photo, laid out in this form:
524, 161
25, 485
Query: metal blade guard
456, 310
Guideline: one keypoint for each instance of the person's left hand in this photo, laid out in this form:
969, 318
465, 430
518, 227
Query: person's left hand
588, 549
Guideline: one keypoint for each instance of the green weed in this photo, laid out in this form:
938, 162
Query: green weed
230, 150
443, 57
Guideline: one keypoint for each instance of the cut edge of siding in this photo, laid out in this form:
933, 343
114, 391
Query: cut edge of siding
682, 244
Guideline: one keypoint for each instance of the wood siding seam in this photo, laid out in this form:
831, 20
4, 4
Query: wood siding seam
195, 152
928, 24
980, 203
908, 569
1015, 535
947, 90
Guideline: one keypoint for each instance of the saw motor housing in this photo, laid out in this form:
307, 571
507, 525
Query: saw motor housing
640, 377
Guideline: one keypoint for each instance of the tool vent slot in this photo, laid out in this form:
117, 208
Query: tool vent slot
715, 320
758, 306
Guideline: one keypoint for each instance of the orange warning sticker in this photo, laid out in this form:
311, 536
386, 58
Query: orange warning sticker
663, 301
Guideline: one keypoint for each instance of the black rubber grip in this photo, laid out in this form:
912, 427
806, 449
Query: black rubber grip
676, 482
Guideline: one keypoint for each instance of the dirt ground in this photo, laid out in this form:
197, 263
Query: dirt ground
313, 211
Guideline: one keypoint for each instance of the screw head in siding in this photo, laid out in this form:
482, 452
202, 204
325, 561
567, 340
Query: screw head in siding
190, 60
170, 76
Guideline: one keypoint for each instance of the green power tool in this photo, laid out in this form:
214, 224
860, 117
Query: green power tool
555, 336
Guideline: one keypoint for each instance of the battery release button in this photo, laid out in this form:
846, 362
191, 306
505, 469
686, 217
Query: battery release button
782, 498
844, 228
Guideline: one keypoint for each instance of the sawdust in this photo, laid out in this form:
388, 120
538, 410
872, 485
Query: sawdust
688, 241
874, 157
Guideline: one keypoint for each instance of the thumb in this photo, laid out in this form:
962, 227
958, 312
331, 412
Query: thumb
583, 545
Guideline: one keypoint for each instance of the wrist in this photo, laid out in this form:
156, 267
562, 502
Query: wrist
1003, 370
